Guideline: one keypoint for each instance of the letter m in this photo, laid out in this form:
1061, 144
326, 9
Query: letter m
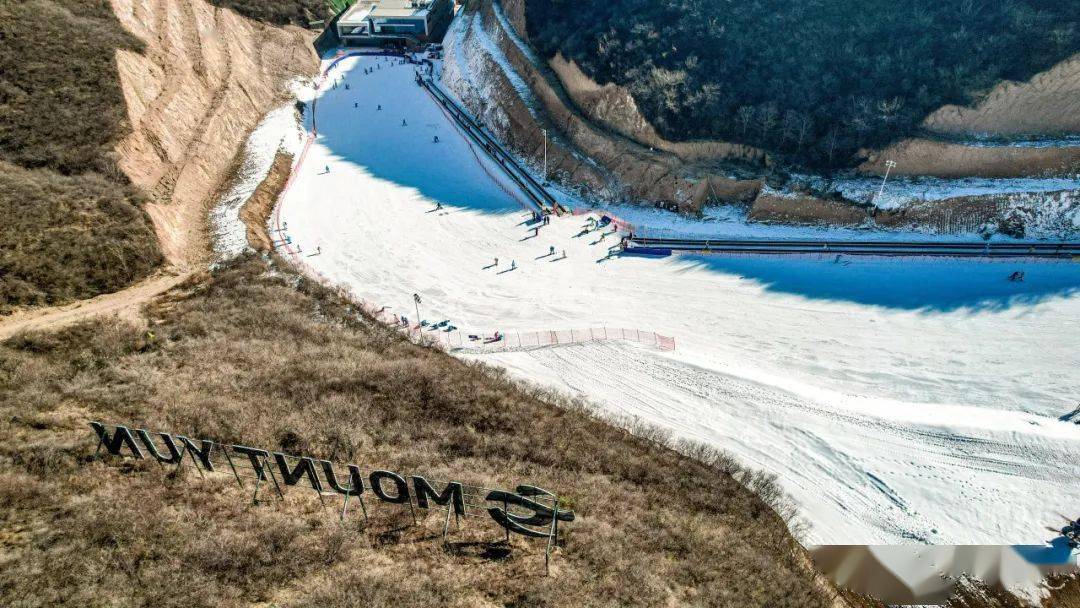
122, 436
452, 492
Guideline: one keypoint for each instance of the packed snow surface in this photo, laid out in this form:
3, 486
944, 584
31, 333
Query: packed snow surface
898, 400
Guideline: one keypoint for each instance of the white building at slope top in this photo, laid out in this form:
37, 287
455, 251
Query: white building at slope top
394, 21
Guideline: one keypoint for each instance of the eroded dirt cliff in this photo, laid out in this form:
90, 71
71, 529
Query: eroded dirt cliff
614, 107
205, 79
519, 96
1049, 103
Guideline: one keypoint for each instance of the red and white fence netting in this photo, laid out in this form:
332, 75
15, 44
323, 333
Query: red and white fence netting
529, 340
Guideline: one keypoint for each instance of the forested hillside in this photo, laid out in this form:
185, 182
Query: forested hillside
283, 12
813, 79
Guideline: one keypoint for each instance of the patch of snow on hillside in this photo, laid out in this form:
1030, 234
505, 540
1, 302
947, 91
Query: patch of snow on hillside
278, 130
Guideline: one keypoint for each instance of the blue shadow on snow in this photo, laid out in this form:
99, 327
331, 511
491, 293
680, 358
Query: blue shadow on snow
352, 127
911, 283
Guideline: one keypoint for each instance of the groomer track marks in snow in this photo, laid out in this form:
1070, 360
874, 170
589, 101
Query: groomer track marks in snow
811, 370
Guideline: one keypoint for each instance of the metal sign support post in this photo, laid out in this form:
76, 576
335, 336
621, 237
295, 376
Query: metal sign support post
446, 523
259, 478
551, 537
232, 466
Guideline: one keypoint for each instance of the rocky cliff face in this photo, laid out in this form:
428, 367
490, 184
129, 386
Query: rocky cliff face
492, 70
205, 79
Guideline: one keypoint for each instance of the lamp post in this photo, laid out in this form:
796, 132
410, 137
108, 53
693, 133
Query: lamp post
889, 164
416, 303
544, 131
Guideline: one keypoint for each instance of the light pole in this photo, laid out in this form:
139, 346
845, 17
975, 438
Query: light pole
889, 164
416, 303
544, 131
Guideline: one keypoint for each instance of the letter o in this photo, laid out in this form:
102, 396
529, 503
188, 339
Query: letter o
401, 495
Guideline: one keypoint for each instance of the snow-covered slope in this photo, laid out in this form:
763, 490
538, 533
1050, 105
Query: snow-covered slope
897, 400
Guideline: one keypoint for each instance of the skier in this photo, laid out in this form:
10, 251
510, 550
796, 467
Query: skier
380, 107
536, 231
327, 169
513, 264
403, 123
438, 205
346, 86
435, 139
551, 251
284, 225
318, 250
356, 104
496, 261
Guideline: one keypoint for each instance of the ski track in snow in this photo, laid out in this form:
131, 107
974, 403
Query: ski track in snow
897, 400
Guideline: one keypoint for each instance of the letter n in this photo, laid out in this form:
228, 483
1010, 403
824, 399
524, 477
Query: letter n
304, 467
203, 453
122, 436
452, 492
174, 454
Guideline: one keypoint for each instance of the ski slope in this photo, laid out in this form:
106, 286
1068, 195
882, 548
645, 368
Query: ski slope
897, 400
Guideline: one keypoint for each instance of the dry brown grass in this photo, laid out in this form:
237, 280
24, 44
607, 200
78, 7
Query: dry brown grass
270, 359
65, 238
71, 228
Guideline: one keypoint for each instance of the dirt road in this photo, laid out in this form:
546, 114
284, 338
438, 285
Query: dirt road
125, 303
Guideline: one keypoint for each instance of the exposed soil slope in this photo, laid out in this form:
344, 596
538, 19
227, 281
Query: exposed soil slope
256, 211
200, 82
585, 153
614, 107
944, 159
205, 79
1048, 103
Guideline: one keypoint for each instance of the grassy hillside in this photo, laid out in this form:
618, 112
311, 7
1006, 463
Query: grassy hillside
72, 227
271, 360
812, 79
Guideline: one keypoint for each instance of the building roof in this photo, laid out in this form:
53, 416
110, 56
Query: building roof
375, 9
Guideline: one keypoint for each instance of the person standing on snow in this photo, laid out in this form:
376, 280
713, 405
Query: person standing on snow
513, 264
403, 123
